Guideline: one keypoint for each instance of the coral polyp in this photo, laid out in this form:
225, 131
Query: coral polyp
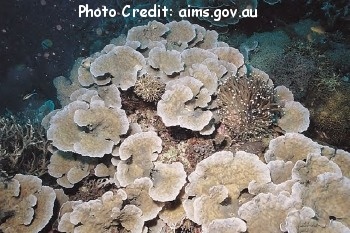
247, 108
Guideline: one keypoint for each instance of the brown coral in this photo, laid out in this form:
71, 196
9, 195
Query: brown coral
295, 117
23, 148
149, 88
234, 171
25, 205
68, 168
147, 34
137, 153
330, 115
180, 34
109, 215
247, 108
175, 109
291, 147
267, 208
137, 193
168, 61
307, 220
90, 130
328, 197
168, 180
102, 129
124, 71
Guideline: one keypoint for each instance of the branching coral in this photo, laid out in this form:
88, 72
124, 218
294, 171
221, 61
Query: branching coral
247, 108
295, 75
23, 147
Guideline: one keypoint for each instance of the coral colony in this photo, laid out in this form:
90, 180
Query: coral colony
160, 132
247, 107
